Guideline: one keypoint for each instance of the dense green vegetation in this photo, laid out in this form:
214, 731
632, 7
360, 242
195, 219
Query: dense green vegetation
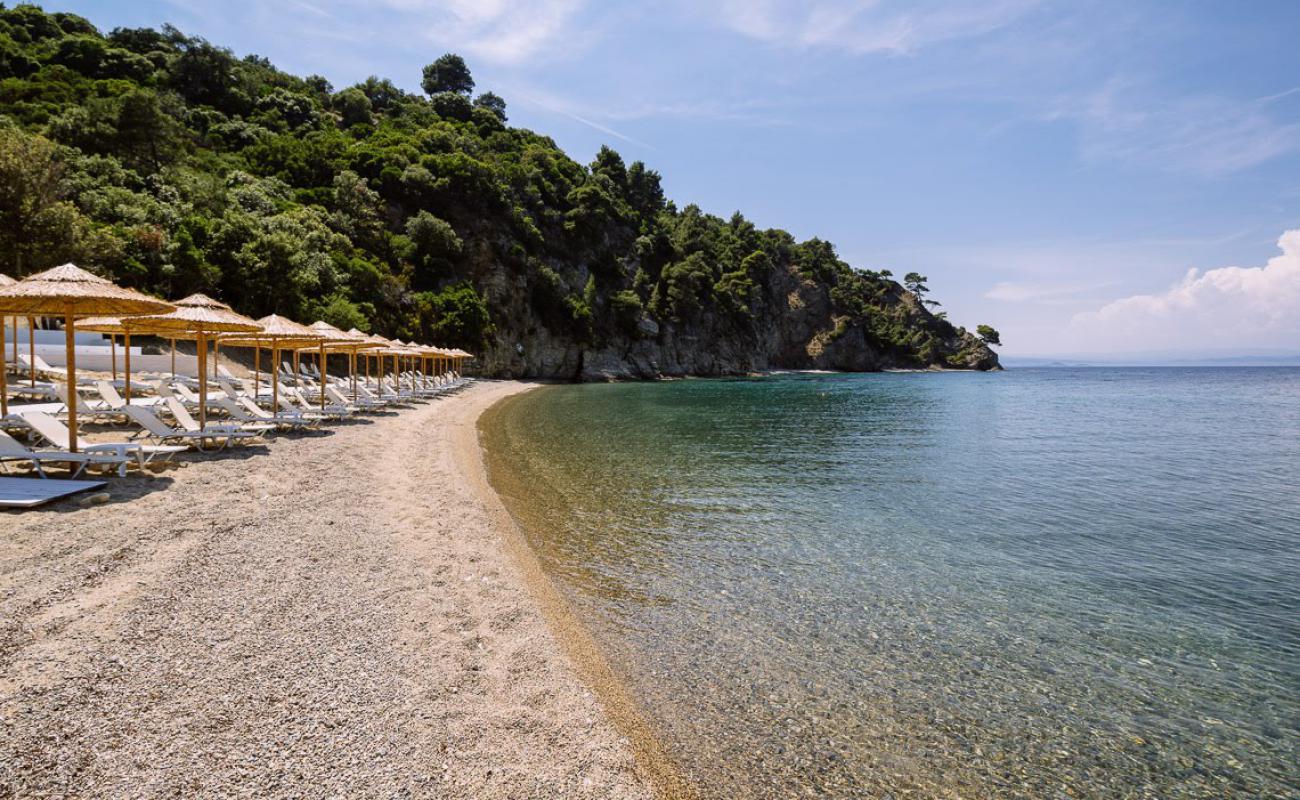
171, 165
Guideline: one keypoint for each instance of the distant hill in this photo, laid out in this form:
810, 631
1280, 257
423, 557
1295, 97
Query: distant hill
1281, 359
171, 165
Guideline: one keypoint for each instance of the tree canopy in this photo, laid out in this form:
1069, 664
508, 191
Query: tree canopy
173, 165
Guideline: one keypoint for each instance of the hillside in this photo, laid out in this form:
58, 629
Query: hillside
171, 165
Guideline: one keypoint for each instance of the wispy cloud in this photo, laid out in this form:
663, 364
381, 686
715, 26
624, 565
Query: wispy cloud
564, 108
1043, 293
1204, 134
866, 26
506, 32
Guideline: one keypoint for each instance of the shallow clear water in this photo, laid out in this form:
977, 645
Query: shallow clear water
1039, 583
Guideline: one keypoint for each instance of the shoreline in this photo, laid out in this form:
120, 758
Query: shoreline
575, 637
333, 610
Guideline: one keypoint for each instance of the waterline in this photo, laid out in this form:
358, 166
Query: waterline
936, 584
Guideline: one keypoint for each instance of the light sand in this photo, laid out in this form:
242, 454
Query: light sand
348, 614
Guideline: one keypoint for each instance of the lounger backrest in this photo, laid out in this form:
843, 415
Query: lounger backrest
182, 416
225, 373
50, 429
232, 409
336, 396
253, 408
184, 392
250, 388
82, 408
110, 395
11, 447
228, 388
145, 418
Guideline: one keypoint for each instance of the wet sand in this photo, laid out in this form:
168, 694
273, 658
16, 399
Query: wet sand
347, 613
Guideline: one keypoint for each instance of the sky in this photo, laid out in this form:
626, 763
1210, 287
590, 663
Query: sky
1101, 178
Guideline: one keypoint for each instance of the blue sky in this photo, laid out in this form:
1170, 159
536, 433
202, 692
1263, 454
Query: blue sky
1055, 168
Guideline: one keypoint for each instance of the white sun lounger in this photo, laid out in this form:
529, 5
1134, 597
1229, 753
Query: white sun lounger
162, 433
215, 428
86, 411
13, 450
56, 434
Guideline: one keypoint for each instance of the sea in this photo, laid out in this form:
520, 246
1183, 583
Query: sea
1037, 583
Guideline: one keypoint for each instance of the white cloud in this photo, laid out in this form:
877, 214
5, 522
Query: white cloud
1218, 308
866, 26
499, 31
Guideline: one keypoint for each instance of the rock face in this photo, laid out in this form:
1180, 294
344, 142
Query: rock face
792, 322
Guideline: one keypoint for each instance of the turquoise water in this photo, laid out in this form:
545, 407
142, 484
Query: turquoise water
1039, 583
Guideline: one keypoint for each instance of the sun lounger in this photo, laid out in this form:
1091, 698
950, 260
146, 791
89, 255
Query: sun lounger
41, 391
13, 450
99, 411
109, 395
360, 403
42, 368
56, 434
207, 440
214, 428
246, 412
303, 404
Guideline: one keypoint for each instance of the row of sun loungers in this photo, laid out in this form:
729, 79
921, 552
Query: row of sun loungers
160, 427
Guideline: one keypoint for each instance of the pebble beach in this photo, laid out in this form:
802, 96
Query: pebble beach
336, 614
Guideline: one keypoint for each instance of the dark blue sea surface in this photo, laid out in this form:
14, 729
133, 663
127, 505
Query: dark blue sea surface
1037, 583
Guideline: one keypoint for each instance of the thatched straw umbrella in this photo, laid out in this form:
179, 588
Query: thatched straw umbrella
276, 331
329, 336
70, 292
202, 316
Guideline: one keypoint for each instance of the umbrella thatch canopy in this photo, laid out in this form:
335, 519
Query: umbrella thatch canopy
70, 292
276, 331
203, 316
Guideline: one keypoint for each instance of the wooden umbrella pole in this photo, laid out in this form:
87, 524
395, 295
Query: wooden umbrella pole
297, 372
4, 368
322, 375
352, 372
31, 347
203, 380
173, 359
126, 337
112, 349
257, 370
275, 376
216, 356
70, 346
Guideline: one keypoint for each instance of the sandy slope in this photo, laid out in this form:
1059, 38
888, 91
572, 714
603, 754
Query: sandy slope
330, 615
